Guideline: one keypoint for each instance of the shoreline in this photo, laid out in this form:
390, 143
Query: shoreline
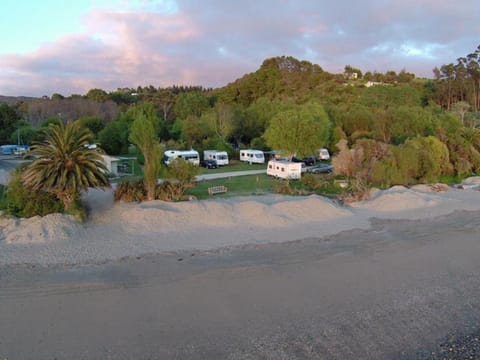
403, 289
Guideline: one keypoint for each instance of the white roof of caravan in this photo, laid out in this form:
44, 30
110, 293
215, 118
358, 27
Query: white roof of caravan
286, 162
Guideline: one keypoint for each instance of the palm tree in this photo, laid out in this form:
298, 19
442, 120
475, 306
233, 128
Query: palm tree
64, 165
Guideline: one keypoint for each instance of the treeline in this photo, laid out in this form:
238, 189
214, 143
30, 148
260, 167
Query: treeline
459, 82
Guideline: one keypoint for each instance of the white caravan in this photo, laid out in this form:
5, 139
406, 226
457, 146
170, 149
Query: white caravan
189, 155
221, 157
323, 154
284, 169
252, 156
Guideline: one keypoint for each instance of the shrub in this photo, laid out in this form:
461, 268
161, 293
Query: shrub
130, 190
357, 190
282, 187
311, 181
183, 172
78, 211
23, 202
343, 162
423, 159
169, 191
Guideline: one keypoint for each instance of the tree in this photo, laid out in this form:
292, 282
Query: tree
114, 137
97, 95
8, 122
183, 172
461, 108
57, 96
143, 134
24, 134
195, 130
190, 104
301, 130
64, 166
165, 99
92, 123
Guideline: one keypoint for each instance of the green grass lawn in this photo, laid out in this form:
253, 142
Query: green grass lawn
236, 185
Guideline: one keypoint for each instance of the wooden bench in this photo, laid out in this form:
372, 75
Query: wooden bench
217, 190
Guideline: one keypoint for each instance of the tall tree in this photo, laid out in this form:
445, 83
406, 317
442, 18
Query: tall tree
64, 166
190, 104
8, 122
299, 131
143, 134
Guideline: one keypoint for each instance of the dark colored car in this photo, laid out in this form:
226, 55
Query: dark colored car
321, 169
209, 164
308, 161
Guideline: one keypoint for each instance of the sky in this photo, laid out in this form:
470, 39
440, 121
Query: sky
69, 47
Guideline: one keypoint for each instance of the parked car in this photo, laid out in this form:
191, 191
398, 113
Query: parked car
308, 161
209, 164
321, 169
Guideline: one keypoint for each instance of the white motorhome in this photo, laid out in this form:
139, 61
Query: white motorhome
252, 156
221, 157
189, 155
323, 154
284, 169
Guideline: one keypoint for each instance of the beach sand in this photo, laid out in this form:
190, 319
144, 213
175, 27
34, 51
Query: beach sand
269, 277
117, 230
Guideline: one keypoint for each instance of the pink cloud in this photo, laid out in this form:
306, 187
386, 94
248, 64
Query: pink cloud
212, 43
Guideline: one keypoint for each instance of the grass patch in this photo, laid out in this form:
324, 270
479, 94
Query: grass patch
263, 184
450, 179
237, 185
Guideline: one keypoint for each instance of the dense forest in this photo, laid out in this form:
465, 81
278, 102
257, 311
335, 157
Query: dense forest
386, 128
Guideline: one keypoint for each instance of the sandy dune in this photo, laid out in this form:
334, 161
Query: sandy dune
117, 230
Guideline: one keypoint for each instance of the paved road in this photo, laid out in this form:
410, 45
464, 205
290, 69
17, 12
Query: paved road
229, 174
396, 291
8, 162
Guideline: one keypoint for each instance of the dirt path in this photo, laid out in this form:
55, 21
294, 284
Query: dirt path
392, 292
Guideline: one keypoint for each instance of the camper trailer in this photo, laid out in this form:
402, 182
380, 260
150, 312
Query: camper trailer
189, 155
323, 154
284, 169
221, 157
252, 156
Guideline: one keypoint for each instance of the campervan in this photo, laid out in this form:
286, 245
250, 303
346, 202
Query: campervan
284, 169
189, 155
8, 149
252, 156
323, 154
221, 157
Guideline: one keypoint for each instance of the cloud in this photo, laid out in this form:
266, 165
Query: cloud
213, 42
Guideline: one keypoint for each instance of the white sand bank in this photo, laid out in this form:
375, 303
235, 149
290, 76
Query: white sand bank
126, 229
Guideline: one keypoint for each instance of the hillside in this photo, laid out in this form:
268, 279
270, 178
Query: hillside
278, 77
11, 100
